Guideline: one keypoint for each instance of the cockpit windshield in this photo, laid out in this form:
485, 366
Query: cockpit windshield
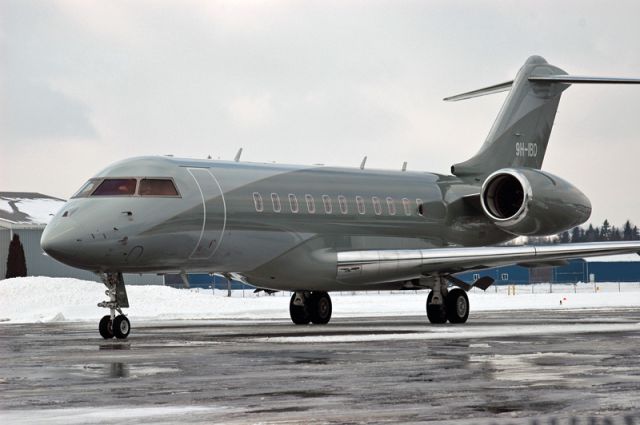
157, 187
86, 190
127, 187
116, 187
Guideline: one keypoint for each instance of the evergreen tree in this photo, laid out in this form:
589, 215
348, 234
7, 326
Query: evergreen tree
627, 231
615, 234
605, 232
590, 234
575, 235
16, 262
636, 233
565, 237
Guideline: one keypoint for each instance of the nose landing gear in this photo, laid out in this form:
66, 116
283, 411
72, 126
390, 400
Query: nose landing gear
111, 325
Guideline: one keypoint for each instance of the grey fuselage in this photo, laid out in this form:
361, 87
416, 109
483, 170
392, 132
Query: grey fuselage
218, 223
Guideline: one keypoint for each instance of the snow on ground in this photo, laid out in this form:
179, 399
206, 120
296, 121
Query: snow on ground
44, 299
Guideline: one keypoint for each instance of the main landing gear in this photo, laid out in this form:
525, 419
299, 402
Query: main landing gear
314, 307
111, 325
452, 306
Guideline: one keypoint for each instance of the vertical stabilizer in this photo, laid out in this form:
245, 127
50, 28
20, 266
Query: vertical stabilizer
520, 134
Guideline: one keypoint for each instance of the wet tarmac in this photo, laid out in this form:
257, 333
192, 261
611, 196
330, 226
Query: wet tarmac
500, 367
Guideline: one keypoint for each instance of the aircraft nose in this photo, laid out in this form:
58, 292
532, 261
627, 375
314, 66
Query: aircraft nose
59, 240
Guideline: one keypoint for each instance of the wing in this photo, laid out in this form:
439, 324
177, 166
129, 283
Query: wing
378, 266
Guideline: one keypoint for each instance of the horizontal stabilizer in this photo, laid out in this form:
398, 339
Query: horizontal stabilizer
497, 88
567, 79
575, 79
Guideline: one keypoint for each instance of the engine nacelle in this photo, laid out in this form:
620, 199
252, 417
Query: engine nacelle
529, 202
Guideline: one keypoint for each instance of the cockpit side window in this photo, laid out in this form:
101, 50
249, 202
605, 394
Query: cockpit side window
87, 188
157, 187
116, 187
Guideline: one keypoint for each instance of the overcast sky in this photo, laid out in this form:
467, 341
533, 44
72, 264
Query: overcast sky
84, 84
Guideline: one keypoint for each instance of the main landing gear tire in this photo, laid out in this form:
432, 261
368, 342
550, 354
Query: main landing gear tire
457, 306
320, 308
298, 313
119, 328
105, 327
315, 308
436, 313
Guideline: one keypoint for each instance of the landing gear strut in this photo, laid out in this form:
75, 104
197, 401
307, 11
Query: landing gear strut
111, 325
314, 307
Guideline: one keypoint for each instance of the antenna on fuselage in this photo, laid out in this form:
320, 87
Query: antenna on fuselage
237, 158
364, 161
404, 166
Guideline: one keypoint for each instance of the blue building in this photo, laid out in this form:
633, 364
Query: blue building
616, 268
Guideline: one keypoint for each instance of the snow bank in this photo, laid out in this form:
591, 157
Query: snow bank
44, 299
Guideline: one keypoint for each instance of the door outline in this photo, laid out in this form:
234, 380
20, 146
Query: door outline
204, 212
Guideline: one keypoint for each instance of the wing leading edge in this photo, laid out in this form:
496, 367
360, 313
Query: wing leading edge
378, 266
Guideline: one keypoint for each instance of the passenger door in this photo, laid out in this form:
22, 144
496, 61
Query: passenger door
213, 213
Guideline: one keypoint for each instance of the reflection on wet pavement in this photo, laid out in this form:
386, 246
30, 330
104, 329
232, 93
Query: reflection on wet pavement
202, 372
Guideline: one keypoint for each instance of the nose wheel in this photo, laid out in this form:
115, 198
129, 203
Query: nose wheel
113, 325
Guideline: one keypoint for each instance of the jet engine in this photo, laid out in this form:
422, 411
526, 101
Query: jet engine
530, 202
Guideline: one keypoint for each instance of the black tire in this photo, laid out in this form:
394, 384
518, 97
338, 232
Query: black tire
320, 308
121, 327
299, 314
437, 314
105, 327
457, 306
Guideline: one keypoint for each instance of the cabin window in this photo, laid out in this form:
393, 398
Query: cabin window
257, 202
406, 204
376, 205
476, 276
342, 201
391, 206
326, 200
87, 188
311, 204
420, 207
157, 187
275, 201
504, 276
360, 204
293, 203
116, 187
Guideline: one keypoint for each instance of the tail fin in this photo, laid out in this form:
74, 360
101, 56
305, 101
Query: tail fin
520, 134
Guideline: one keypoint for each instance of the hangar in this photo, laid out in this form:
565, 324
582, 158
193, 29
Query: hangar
613, 268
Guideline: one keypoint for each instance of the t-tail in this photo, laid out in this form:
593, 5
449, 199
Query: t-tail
520, 134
